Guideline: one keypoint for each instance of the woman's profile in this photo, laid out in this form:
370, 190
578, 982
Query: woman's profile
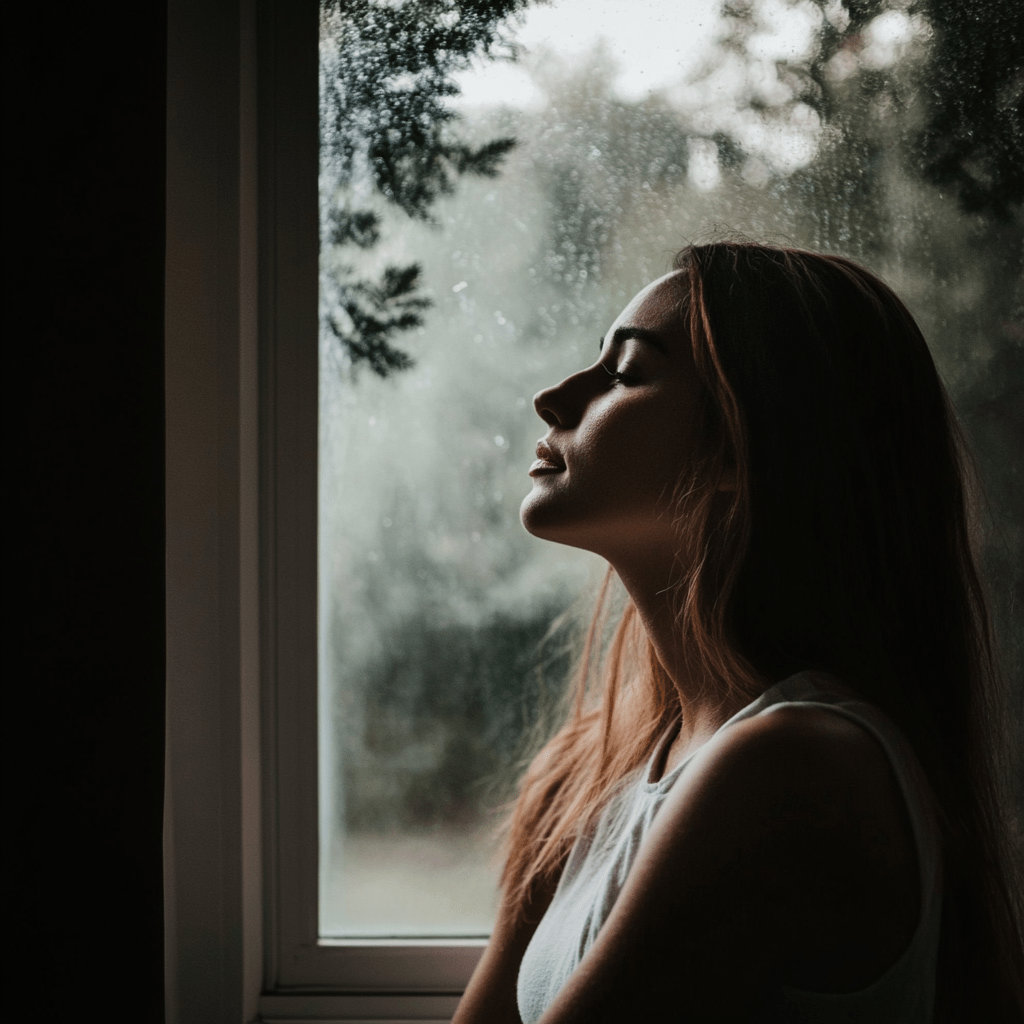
777, 795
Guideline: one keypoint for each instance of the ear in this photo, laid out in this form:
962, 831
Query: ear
728, 480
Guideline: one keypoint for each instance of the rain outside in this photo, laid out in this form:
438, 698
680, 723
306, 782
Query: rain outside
486, 211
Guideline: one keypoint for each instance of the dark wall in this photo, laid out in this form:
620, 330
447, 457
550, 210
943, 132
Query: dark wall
84, 245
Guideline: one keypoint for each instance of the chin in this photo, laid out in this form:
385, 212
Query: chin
531, 517
537, 519
545, 522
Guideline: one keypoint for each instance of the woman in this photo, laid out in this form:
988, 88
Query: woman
777, 801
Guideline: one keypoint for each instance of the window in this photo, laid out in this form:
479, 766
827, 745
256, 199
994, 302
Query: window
609, 178
306, 975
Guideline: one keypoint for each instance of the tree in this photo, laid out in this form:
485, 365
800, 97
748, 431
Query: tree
387, 71
973, 139
964, 80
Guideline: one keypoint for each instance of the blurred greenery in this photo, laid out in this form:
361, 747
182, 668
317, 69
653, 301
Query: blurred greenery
386, 71
894, 138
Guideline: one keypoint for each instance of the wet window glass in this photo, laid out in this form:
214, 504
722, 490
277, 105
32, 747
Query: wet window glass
497, 180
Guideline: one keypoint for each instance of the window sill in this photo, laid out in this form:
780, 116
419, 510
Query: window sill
358, 1009
434, 967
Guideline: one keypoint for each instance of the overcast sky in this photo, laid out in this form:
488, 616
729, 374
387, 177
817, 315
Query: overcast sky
655, 43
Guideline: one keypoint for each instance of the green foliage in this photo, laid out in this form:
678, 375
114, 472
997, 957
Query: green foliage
387, 71
447, 710
953, 104
973, 140
375, 311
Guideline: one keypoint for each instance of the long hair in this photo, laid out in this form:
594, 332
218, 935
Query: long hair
846, 547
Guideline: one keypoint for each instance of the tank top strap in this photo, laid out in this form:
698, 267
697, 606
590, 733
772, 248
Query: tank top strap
904, 992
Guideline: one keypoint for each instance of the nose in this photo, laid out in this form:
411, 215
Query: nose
543, 405
555, 405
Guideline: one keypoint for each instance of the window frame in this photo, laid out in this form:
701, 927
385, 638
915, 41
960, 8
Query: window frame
241, 807
289, 369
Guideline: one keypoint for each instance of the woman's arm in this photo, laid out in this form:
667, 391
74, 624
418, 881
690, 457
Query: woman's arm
787, 855
490, 997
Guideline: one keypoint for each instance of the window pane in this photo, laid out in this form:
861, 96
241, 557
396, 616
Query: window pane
639, 128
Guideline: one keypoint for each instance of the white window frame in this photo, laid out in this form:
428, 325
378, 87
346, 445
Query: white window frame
241, 829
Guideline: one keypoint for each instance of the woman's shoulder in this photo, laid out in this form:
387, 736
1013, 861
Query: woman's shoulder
810, 729
781, 853
800, 756
813, 799
823, 720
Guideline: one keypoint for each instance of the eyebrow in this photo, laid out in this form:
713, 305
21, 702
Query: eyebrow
640, 333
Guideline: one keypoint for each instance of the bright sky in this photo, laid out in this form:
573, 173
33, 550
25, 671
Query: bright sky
654, 42
655, 45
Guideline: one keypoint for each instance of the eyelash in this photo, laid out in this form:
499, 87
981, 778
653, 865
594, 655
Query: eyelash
622, 378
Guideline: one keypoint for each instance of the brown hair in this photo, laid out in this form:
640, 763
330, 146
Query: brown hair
846, 547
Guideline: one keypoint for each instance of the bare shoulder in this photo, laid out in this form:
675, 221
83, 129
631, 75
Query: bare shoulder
805, 746
798, 731
815, 795
807, 774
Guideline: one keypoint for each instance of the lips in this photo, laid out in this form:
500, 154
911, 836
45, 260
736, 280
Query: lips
548, 460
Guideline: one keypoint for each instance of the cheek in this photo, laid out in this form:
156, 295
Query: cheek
631, 455
648, 453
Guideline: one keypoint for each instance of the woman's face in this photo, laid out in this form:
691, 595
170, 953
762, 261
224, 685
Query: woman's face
619, 435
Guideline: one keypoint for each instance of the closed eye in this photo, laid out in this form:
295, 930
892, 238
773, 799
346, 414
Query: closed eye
622, 378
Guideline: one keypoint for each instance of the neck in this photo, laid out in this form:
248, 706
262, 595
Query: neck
705, 702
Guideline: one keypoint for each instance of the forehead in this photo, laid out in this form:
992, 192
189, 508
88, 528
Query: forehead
655, 307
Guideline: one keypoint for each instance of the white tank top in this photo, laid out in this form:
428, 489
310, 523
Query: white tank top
600, 861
